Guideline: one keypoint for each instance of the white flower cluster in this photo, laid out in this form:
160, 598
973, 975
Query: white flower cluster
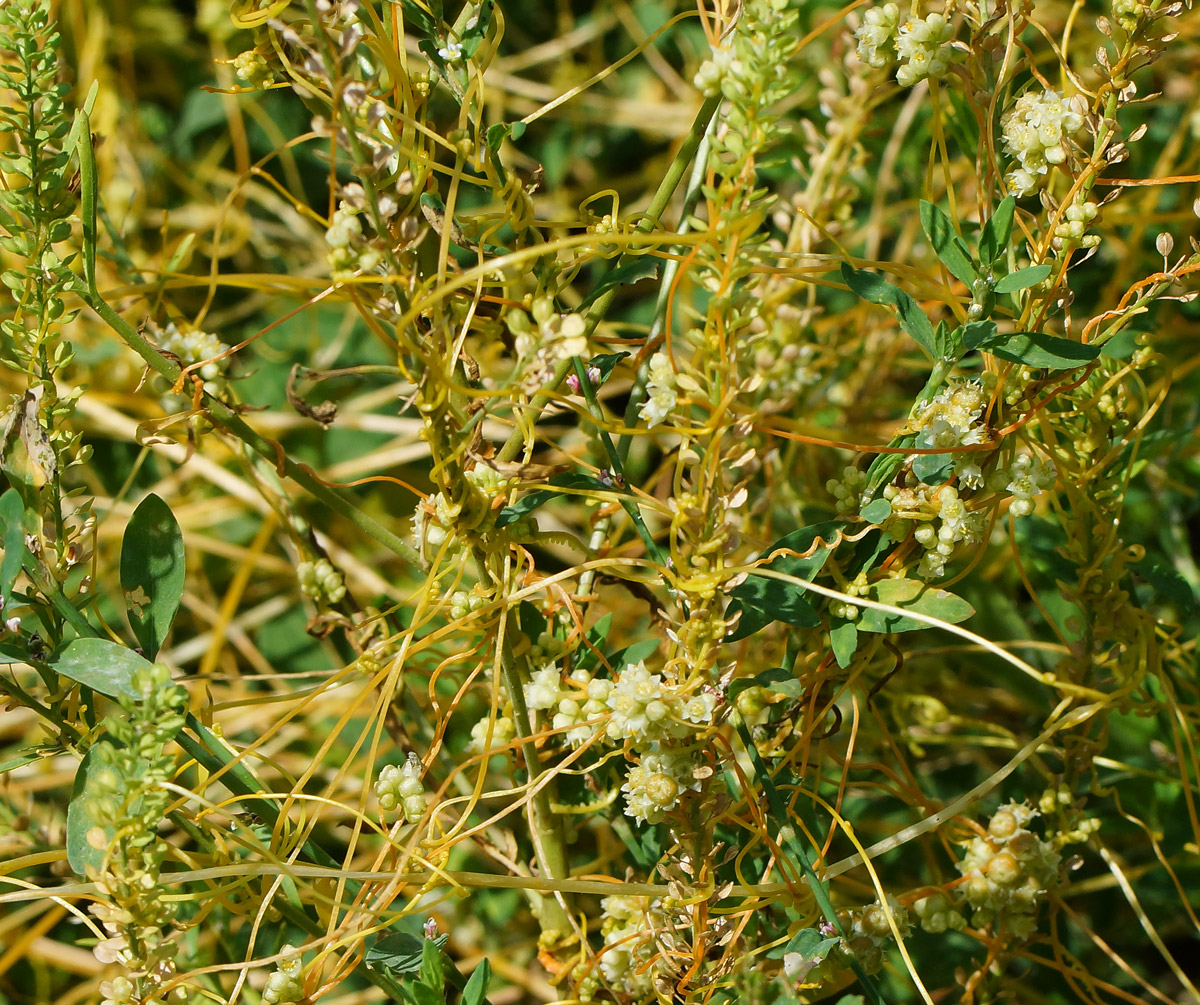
654, 785
958, 524
1009, 871
1035, 131
1025, 478
629, 944
545, 340
284, 985
660, 390
192, 346
321, 581
400, 786
922, 46
951, 418
876, 35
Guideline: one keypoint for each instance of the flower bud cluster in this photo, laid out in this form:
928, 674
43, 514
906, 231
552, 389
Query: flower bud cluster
400, 786
937, 914
1130, 14
193, 346
436, 518
1009, 871
503, 732
1035, 133
628, 925
252, 68
940, 521
866, 932
321, 581
285, 985
848, 490
661, 397
1071, 231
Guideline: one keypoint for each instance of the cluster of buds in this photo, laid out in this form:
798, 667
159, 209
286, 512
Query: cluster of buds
285, 984
400, 786
922, 46
321, 581
1035, 133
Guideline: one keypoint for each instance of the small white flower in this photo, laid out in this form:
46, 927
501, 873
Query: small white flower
660, 390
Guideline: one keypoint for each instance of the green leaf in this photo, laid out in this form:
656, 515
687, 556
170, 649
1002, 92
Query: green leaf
433, 970
632, 654
152, 572
876, 511
596, 636
635, 270
809, 943
475, 993
12, 527
424, 995
1022, 279
776, 679
477, 28
933, 469
975, 333
1170, 585
415, 14
876, 290
497, 133
763, 600
527, 504
911, 596
993, 238
400, 952
530, 620
80, 854
606, 364
950, 248
1036, 349
105, 666
843, 640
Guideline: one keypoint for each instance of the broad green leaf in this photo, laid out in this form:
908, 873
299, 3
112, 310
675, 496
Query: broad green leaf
400, 952
843, 640
993, 238
530, 620
530, 502
105, 666
1022, 279
876, 511
933, 469
877, 290
950, 248
1036, 349
632, 271
911, 596
424, 995
776, 679
475, 993
12, 527
809, 943
606, 363
1171, 586
758, 597
152, 571
634, 653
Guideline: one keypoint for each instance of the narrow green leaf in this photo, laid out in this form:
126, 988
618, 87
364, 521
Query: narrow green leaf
625, 274
475, 993
152, 572
527, 504
101, 664
12, 527
911, 596
1036, 349
433, 971
876, 290
80, 854
809, 943
975, 333
843, 640
596, 636
776, 679
606, 363
763, 600
993, 238
1022, 279
950, 248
